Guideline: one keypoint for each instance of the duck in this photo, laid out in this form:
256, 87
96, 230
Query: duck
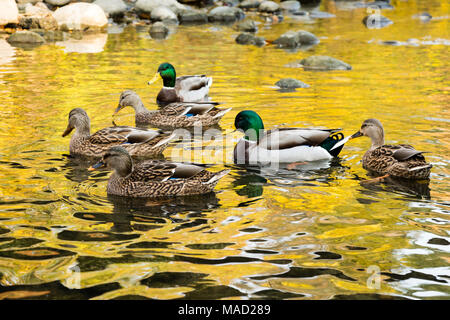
400, 161
182, 89
139, 142
282, 145
174, 115
153, 178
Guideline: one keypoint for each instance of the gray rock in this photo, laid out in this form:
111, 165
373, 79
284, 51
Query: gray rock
57, 2
321, 15
112, 7
295, 39
250, 4
147, 6
269, 6
163, 13
290, 5
290, 83
424, 16
247, 26
249, 38
52, 35
225, 14
192, 17
376, 21
38, 17
323, 63
25, 37
159, 30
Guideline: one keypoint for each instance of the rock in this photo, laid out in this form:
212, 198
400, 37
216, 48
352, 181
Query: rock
290, 5
52, 35
321, 15
295, 39
323, 63
158, 30
112, 7
81, 16
192, 17
290, 83
376, 21
57, 2
38, 17
424, 16
247, 26
379, 5
249, 38
25, 37
9, 12
225, 14
269, 6
250, 4
163, 13
146, 6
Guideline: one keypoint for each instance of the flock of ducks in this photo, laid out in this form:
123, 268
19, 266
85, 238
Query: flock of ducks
184, 103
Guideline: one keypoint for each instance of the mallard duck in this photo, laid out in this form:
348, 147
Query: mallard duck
402, 161
182, 89
174, 115
281, 145
155, 178
137, 141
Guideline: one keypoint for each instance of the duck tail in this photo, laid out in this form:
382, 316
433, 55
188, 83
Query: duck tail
216, 177
221, 113
329, 143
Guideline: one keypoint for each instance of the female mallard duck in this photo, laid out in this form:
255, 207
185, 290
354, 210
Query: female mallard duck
181, 89
174, 115
155, 178
138, 142
401, 160
281, 145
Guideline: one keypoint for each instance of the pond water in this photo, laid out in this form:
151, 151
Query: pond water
318, 231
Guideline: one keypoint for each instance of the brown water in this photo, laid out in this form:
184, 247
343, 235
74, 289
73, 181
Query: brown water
317, 232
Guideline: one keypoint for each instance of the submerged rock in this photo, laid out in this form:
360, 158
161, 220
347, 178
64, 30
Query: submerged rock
320, 63
376, 21
249, 38
9, 12
247, 26
163, 13
158, 30
290, 5
295, 39
25, 37
250, 4
290, 83
269, 6
424, 16
192, 17
81, 16
225, 14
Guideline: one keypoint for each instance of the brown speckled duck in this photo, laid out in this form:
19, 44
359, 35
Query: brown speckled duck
174, 115
182, 89
401, 160
138, 142
155, 178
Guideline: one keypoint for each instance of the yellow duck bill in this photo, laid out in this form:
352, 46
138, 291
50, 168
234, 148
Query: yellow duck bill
155, 77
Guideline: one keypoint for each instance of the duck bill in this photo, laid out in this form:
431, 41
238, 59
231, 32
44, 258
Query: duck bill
68, 130
343, 141
119, 107
155, 77
98, 165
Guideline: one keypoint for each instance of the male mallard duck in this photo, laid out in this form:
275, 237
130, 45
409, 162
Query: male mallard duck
401, 160
137, 141
181, 89
174, 115
282, 145
155, 178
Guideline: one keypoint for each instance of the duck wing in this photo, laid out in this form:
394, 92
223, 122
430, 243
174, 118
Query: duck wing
284, 138
405, 152
193, 88
123, 134
163, 171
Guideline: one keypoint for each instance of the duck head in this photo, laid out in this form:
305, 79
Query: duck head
167, 72
373, 129
250, 123
79, 120
116, 158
